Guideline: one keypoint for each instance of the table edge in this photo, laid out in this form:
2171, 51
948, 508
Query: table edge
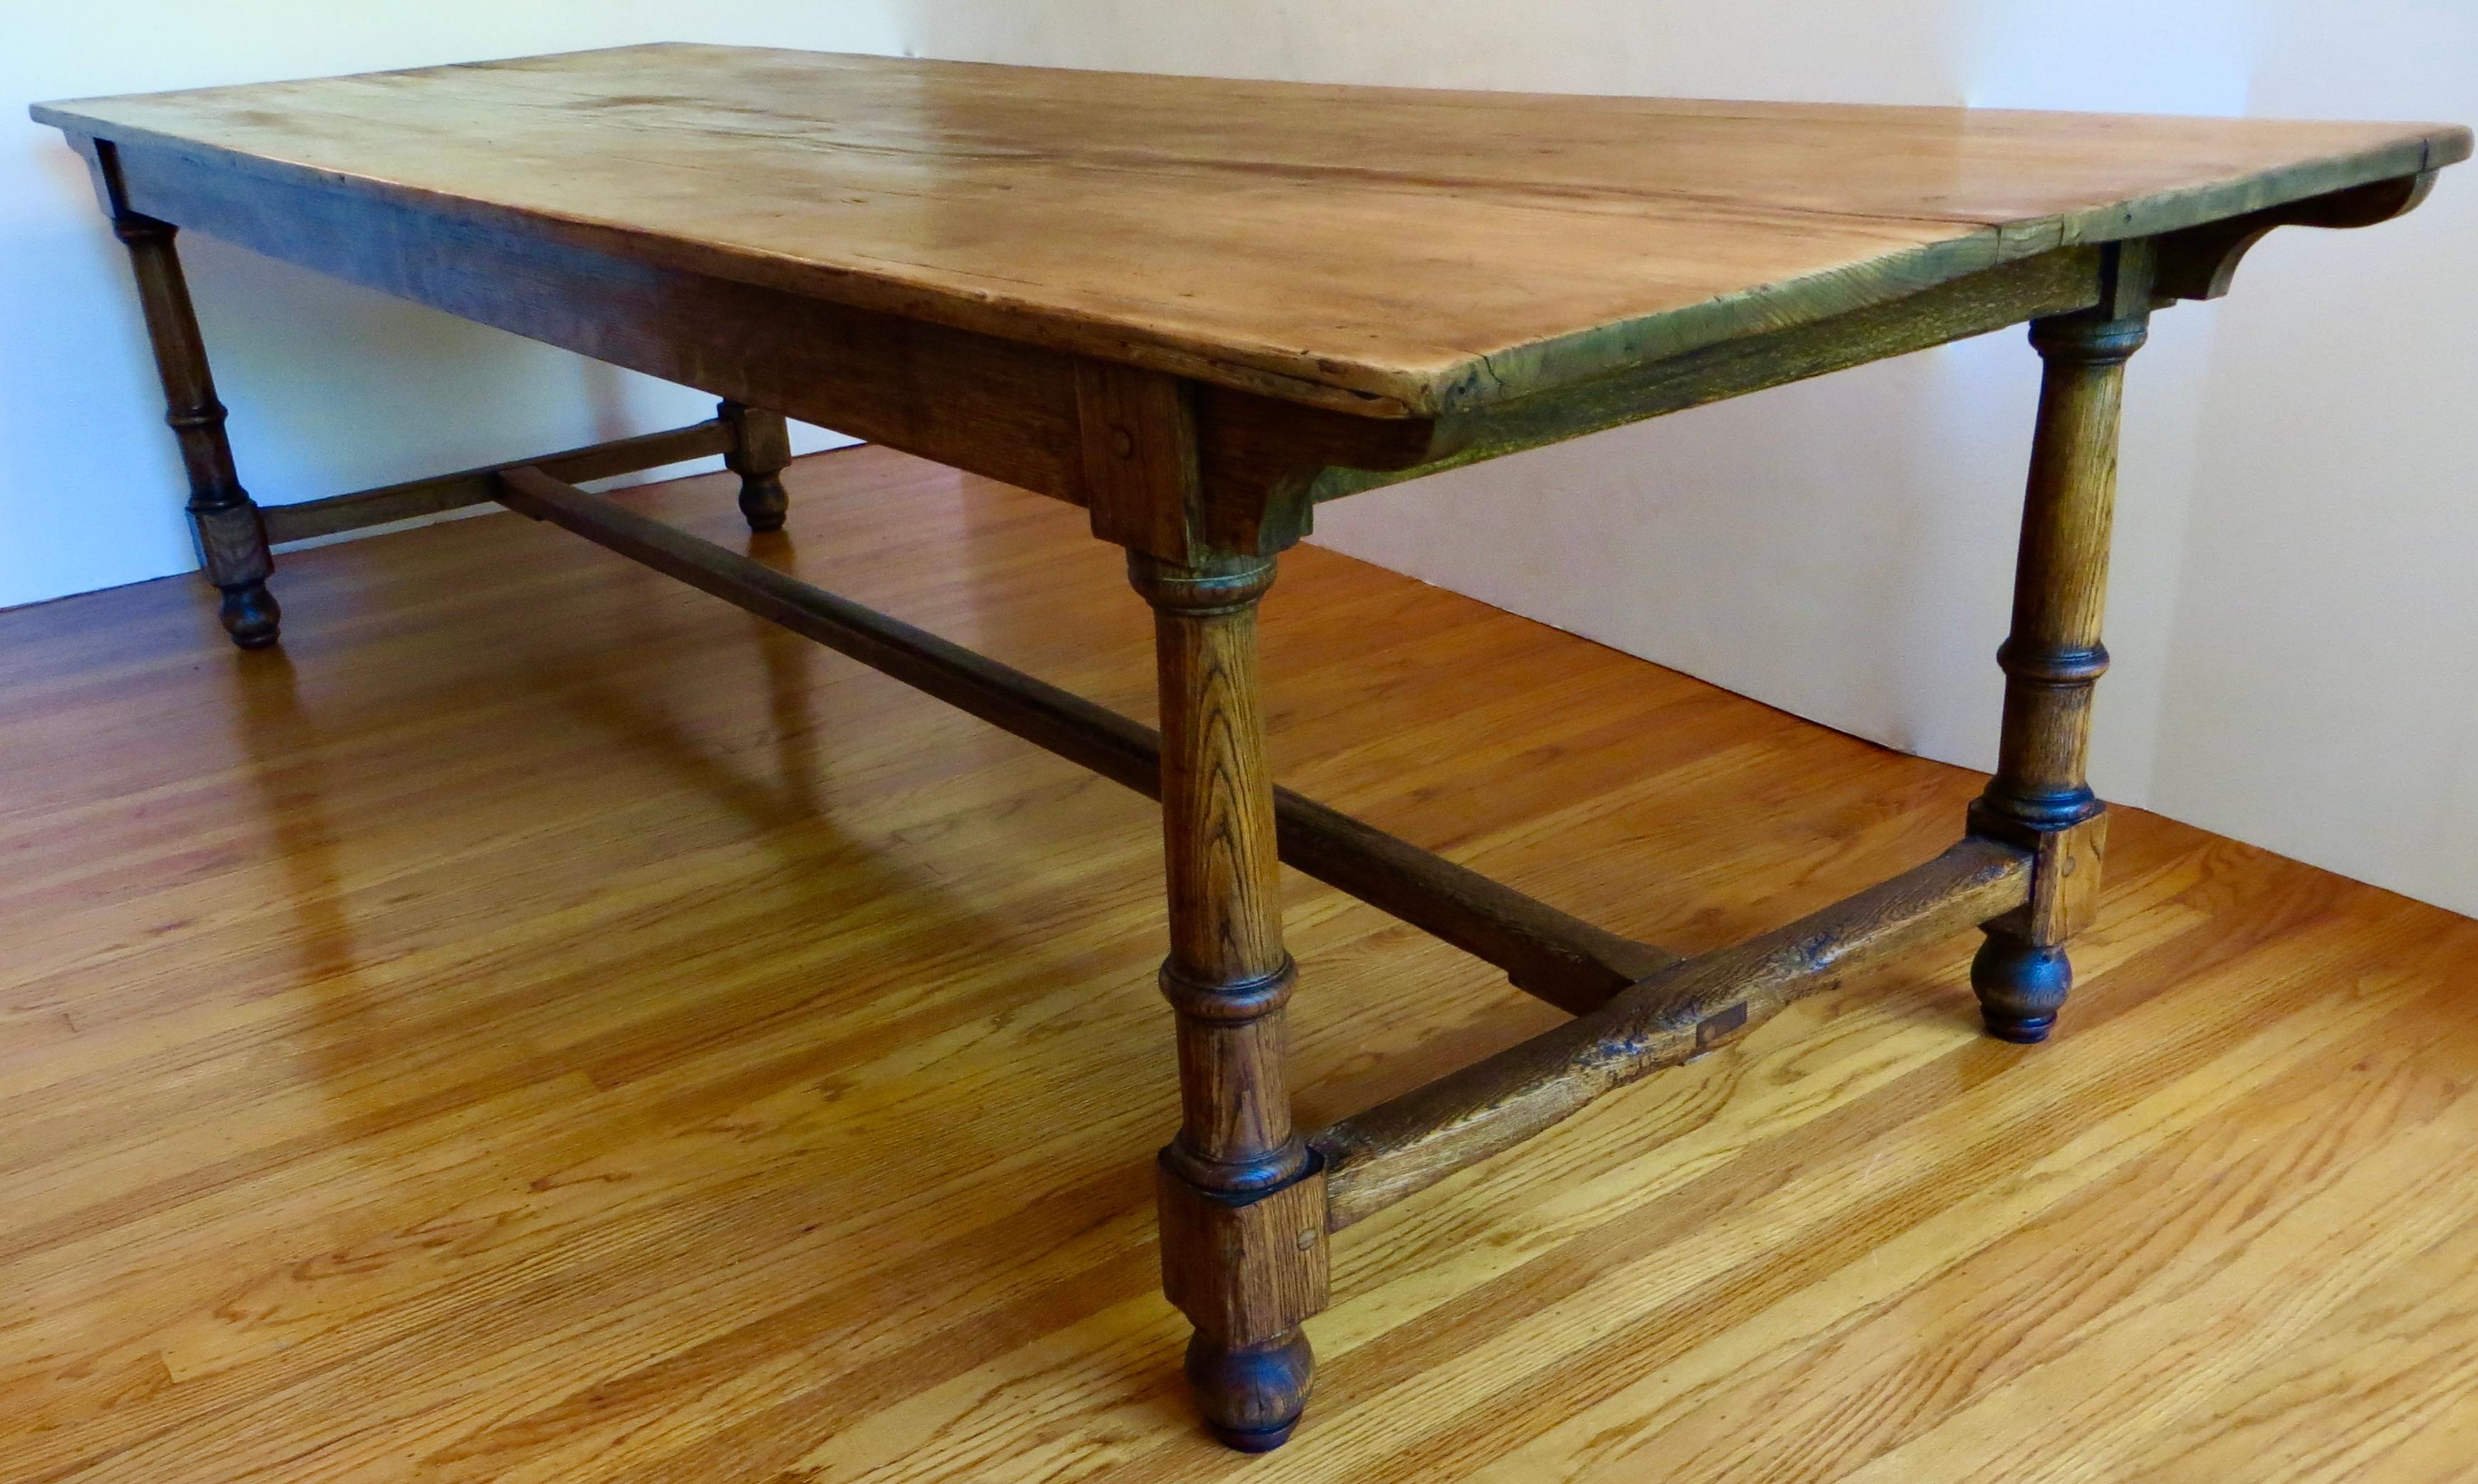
1534, 369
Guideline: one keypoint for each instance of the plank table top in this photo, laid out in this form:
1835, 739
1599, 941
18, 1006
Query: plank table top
1390, 252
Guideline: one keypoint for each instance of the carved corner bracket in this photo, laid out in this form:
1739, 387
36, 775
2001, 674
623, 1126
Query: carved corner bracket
2200, 262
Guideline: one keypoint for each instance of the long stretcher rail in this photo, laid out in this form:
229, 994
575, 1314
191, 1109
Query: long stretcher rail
1558, 957
440, 492
1384, 1153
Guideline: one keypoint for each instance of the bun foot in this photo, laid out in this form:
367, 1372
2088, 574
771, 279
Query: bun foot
765, 502
1252, 1397
2021, 987
251, 614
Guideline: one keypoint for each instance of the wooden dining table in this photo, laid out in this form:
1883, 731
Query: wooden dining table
1199, 308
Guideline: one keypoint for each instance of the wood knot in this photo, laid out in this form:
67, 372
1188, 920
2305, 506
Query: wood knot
1719, 1027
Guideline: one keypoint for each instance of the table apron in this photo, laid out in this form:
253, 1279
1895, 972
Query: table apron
1005, 408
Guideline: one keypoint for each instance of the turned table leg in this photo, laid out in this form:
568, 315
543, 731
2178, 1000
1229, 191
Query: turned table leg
232, 539
1242, 1198
761, 445
2038, 797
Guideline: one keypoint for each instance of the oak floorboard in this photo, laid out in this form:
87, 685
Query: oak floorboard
542, 1026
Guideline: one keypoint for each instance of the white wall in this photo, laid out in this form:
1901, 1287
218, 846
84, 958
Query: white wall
2292, 612
2292, 616
2323, 696
331, 388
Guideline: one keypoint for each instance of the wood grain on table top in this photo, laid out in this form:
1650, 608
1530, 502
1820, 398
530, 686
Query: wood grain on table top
1420, 250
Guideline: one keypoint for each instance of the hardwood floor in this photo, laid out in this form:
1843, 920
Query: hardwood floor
545, 1024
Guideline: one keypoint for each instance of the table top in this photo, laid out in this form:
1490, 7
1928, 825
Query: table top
1417, 251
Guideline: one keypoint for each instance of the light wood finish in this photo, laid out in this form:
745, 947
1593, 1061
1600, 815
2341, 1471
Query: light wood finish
2065, 880
2039, 797
1375, 249
1229, 979
635, 1044
957, 261
1234, 1265
1137, 436
2054, 657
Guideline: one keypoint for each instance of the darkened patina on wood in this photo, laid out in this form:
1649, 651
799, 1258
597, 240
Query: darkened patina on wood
760, 447
1690, 1009
1546, 952
232, 537
468, 488
1197, 308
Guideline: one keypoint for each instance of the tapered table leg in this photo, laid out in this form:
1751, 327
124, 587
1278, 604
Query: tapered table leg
2038, 796
1241, 1199
761, 445
232, 539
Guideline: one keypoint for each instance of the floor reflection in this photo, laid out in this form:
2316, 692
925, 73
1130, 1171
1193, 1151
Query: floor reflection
285, 774
786, 657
